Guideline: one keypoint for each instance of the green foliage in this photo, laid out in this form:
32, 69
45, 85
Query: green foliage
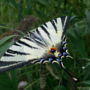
78, 37
5, 43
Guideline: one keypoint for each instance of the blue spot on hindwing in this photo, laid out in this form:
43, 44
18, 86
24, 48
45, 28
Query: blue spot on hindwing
60, 55
58, 59
64, 48
50, 59
42, 60
65, 54
63, 42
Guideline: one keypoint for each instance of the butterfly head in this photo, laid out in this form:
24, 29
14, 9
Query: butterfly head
53, 51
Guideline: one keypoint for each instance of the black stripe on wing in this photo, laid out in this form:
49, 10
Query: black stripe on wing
45, 25
16, 44
3, 69
27, 38
53, 24
63, 20
33, 36
55, 20
25, 44
7, 55
5, 66
41, 37
45, 30
36, 39
17, 52
4, 63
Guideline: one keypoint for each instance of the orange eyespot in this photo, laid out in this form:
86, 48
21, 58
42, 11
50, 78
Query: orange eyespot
52, 50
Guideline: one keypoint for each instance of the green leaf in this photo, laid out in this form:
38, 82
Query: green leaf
5, 39
85, 82
4, 47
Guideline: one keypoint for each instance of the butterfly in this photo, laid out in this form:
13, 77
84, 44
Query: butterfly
46, 43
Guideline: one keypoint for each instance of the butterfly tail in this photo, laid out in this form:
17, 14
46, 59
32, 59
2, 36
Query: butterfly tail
69, 73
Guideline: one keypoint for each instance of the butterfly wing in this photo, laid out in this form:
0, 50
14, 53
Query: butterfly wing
34, 45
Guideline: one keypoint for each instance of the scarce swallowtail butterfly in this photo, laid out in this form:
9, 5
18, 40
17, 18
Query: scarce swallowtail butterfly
44, 44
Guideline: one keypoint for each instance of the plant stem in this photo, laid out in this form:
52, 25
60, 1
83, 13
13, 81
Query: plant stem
42, 77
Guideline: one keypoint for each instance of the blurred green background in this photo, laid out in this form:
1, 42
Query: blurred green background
19, 16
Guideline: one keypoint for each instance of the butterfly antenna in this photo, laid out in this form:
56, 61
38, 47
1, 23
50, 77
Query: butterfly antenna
69, 73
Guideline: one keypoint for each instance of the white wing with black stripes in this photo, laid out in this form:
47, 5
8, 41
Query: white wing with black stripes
45, 43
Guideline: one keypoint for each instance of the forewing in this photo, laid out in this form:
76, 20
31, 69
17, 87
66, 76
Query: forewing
34, 45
